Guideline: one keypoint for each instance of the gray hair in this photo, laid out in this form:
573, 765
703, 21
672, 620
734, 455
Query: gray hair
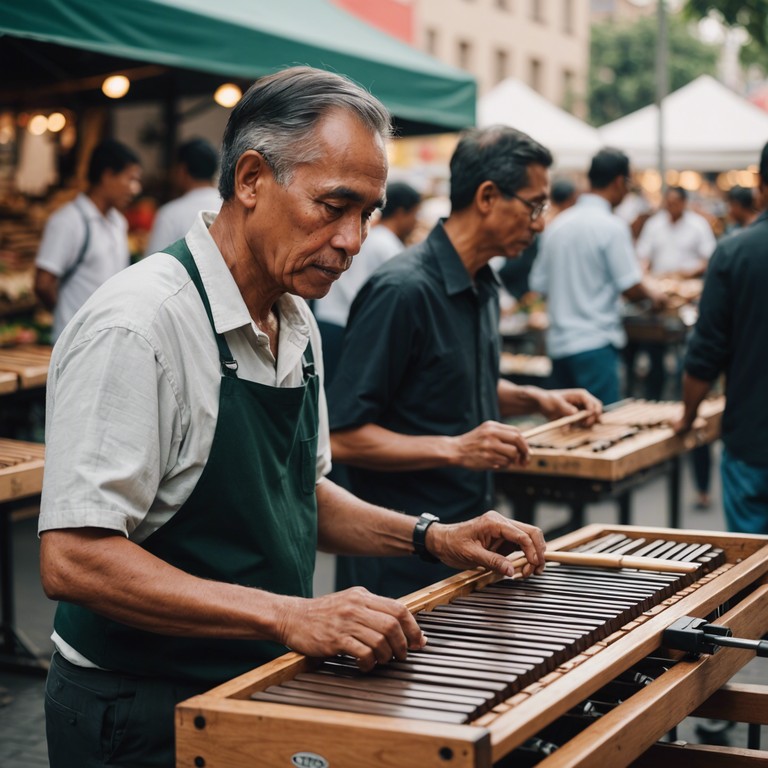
278, 116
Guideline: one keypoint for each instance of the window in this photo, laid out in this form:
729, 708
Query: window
568, 17
464, 57
501, 65
569, 97
535, 74
430, 41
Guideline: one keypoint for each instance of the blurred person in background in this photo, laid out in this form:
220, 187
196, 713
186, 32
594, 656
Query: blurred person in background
730, 337
742, 208
676, 241
86, 241
386, 239
197, 163
586, 264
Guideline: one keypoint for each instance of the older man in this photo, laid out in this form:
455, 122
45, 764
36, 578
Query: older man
417, 400
187, 442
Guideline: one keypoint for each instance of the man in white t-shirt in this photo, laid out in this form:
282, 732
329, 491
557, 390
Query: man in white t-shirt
675, 240
197, 163
86, 241
386, 239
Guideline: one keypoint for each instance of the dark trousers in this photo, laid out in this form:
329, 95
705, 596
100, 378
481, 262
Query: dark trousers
95, 718
596, 370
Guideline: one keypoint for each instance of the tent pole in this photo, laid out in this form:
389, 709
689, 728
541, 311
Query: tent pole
662, 85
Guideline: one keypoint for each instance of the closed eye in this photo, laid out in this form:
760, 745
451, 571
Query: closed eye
333, 210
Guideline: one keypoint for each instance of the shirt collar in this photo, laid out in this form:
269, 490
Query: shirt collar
595, 201
455, 275
227, 306
88, 207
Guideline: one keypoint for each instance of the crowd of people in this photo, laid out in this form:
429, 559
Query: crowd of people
210, 402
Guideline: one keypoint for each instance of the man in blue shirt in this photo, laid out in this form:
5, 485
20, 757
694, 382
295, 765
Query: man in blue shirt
586, 263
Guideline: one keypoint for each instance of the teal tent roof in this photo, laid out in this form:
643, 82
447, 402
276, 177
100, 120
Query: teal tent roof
250, 38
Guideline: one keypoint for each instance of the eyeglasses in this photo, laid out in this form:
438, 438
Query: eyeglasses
537, 210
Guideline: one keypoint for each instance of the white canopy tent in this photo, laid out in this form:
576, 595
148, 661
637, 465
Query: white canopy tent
571, 141
707, 127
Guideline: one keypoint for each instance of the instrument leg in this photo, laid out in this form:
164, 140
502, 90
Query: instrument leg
674, 492
625, 508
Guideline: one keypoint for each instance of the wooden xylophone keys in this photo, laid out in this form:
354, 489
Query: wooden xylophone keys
485, 646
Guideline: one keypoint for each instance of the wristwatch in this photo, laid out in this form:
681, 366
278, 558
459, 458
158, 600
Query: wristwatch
420, 537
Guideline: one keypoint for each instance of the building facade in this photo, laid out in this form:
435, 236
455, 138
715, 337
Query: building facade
544, 43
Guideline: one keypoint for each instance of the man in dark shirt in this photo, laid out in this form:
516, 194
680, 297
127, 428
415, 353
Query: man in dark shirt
731, 336
416, 404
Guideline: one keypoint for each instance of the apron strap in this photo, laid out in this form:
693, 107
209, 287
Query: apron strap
180, 251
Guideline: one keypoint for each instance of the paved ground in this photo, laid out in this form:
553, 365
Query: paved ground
22, 730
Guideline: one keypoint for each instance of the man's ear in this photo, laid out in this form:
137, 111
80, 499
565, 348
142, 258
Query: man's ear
250, 171
486, 196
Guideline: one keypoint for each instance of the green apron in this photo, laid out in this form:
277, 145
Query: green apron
251, 520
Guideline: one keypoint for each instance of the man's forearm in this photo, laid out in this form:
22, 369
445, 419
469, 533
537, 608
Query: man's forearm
694, 391
116, 578
374, 447
515, 400
350, 526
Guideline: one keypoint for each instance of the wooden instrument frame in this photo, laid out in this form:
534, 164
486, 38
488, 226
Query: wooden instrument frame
649, 447
223, 728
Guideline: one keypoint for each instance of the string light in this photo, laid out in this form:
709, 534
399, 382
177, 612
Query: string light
227, 95
116, 86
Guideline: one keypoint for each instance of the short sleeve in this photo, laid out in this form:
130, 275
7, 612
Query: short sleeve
709, 347
112, 422
62, 240
377, 345
623, 266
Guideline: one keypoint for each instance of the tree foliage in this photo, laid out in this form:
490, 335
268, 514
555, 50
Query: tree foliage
752, 15
622, 73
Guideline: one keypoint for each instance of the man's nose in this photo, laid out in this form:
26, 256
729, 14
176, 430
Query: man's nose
349, 236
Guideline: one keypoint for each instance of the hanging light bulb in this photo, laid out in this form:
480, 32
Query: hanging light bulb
56, 121
115, 86
38, 125
227, 95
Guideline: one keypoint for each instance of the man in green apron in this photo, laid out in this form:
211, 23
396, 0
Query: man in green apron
187, 443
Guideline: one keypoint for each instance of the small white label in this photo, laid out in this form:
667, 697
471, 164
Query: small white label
309, 760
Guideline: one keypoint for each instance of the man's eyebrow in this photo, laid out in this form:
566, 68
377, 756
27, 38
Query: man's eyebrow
347, 193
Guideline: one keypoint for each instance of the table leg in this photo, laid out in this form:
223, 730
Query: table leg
16, 651
674, 492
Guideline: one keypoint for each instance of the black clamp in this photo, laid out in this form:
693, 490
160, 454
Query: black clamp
420, 537
697, 636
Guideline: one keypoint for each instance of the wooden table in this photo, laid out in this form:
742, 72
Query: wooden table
9, 382
632, 445
28, 363
21, 482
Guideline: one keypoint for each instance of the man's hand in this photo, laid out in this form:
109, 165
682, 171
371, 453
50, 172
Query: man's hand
485, 541
492, 445
555, 403
356, 622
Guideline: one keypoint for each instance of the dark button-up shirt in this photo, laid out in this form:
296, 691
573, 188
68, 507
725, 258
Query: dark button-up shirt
731, 335
421, 357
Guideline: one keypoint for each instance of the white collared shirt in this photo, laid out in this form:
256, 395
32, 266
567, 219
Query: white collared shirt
675, 246
133, 389
106, 255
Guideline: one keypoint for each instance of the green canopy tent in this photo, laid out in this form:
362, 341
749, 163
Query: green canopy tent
47, 43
